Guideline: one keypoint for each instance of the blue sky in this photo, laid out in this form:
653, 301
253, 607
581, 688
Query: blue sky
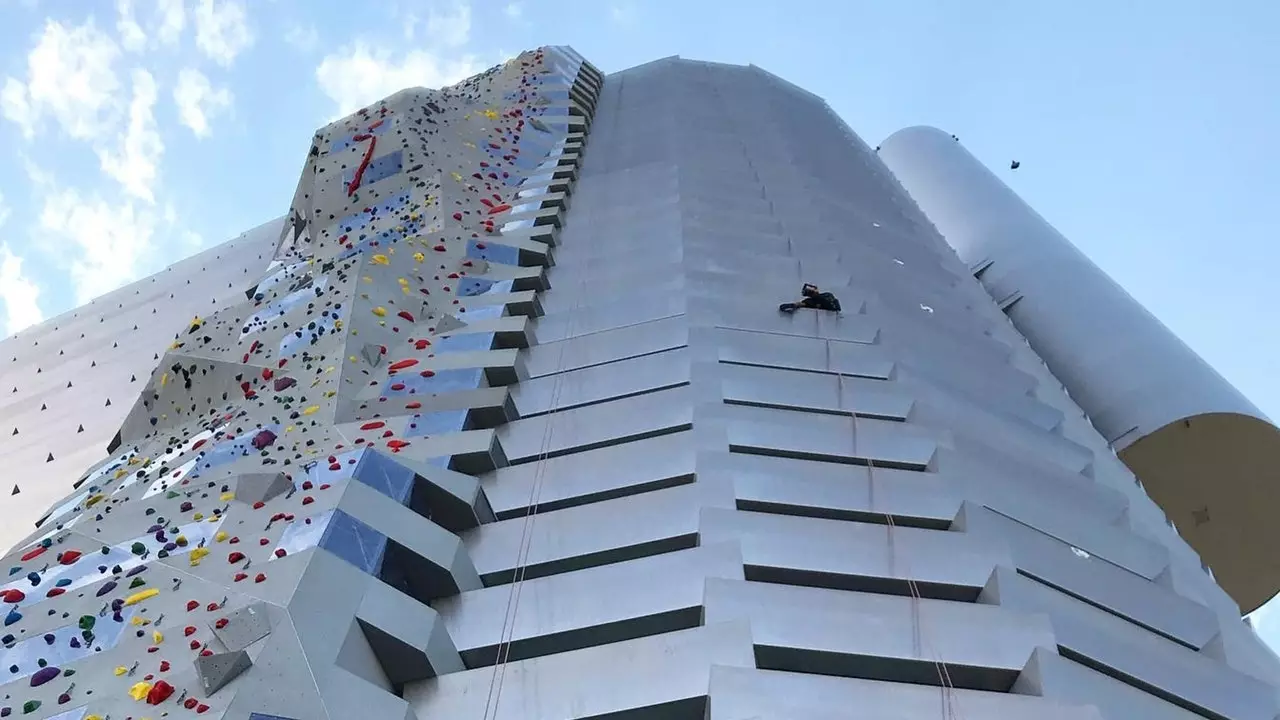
135, 132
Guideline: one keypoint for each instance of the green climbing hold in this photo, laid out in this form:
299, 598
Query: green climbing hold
137, 548
68, 672
170, 495
87, 622
30, 706
137, 582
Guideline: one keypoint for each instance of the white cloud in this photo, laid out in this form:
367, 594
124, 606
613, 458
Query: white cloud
622, 12
113, 241
71, 76
19, 294
302, 38
222, 30
450, 27
198, 100
172, 18
358, 75
134, 160
514, 10
131, 36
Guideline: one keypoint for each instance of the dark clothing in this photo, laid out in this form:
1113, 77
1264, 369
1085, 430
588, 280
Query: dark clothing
821, 301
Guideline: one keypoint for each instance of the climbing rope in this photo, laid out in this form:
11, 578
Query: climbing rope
920, 644
498, 677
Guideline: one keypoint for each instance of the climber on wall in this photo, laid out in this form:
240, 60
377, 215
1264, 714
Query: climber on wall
812, 299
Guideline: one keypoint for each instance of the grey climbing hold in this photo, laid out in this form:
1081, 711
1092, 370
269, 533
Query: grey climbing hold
215, 671
449, 323
372, 354
244, 627
261, 487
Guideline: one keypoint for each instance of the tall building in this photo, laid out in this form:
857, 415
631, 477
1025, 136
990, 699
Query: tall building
502, 420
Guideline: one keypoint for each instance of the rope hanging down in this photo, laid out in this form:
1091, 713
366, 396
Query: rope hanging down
920, 644
497, 679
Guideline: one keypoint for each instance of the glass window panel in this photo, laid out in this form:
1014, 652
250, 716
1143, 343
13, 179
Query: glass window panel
482, 312
320, 473
436, 423
470, 287
386, 476
301, 535
441, 381
355, 542
493, 252
465, 342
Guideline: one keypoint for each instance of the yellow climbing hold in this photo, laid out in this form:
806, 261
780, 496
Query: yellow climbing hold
120, 670
181, 540
139, 691
197, 555
139, 621
138, 597
227, 497
419, 257
92, 717
198, 517
120, 473
94, 500
289, 429
456, 177
380, 260
380, 311
164, 379
491, 114
311, 410
157, 637
220, 536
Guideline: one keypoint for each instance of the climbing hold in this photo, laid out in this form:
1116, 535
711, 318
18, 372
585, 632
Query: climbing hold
139, 690
138, 597
44, 675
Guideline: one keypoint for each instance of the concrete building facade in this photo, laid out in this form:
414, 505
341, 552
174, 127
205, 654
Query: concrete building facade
506, 424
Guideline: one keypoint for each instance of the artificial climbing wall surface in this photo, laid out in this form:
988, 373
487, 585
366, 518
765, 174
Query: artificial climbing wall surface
69, 381
299, 441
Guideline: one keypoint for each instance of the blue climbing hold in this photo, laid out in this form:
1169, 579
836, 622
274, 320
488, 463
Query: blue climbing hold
13, 617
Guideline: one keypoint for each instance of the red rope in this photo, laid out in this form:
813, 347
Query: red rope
364, 163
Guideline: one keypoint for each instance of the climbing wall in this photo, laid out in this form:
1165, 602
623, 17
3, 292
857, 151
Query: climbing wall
69, 381
286, 479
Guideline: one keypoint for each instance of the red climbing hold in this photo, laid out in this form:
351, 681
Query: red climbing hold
308, 500
68, 557
192, 605
439, 248
259, 577
457, 216
413, 405
405, 314
422, 344
259, 505
55, 592
33, 553
499, 208
427, 373
189, 630
395, 445
13, 595
402, 364
240, 576
397, 387
235, 557
221, 623
159, 692
373, 425
164, 666
280, 552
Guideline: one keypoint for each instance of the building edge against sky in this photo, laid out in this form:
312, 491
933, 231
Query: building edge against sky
1206, 454
499, 349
